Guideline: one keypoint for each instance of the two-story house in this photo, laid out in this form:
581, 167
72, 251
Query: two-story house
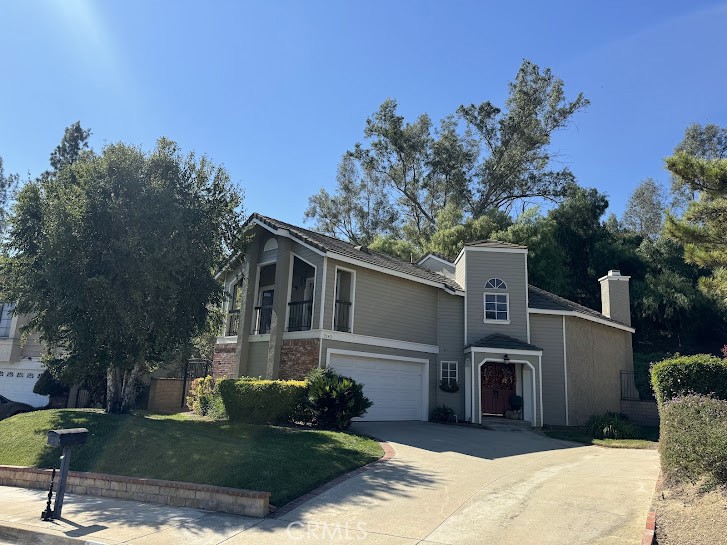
299, 300
20, 364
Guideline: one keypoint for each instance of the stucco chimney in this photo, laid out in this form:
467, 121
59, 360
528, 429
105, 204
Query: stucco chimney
615, 301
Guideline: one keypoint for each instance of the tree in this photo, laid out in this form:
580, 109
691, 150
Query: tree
703, 226
112, 256
479, 160
705, 142
644, 213
8, 185
74, 142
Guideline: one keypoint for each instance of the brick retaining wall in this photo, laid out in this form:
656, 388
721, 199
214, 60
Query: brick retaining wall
198, 496
643, 413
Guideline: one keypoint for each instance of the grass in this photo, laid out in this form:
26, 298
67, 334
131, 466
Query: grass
286, 462
649, 437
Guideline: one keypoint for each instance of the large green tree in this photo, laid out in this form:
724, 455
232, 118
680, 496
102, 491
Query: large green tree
644, 213
8, 184
484, 158
112, 255
703, 225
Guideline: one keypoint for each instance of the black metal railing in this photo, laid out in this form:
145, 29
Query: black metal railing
300, 314
628, 386
342, 316
233, 323
263, 317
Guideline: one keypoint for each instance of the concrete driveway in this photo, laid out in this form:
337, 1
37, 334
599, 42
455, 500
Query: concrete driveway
457, 485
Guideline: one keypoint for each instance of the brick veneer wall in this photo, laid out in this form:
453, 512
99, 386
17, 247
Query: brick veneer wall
297, 357
643, 413
223, 361
198, 496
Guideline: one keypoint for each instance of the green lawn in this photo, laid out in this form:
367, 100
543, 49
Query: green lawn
286, 462
649, 438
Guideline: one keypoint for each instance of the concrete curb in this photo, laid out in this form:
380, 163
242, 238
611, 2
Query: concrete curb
12, 534
389, 453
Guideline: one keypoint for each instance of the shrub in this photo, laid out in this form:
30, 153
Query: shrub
46, 385
257, 401
611, 426
701, 374
205, 398
443, 413
333, 401
693, 441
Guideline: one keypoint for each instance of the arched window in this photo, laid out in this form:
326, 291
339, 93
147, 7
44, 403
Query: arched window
496, 302
495, 284
270, 245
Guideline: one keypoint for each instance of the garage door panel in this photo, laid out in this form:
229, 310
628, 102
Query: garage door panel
395, 387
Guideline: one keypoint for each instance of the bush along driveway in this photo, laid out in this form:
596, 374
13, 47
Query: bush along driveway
284, 461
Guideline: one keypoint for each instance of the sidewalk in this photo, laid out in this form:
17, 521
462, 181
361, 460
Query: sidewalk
100, 520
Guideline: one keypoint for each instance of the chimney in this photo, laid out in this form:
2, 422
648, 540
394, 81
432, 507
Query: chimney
615, 301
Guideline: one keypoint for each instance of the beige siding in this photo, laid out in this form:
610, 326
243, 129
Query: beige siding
459, 271
595, 356
547, 333
258, 359
450, 338
387, 306
509, 267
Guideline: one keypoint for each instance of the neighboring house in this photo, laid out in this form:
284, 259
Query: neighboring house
20, 364
300, 300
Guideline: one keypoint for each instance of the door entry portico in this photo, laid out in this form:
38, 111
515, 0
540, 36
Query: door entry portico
497, 385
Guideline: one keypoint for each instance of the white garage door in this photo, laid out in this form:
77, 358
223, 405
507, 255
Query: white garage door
17, 381
396, 387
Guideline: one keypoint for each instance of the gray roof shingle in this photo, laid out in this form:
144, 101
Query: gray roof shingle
504, 342
330, 244
539, 298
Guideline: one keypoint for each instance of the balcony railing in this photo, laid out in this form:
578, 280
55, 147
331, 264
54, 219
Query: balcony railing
233, 323
263, 316
299, 315
342, 316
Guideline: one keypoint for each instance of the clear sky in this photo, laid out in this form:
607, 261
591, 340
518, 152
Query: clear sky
277, 91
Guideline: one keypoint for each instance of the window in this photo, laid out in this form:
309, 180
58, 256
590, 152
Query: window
19, 375
496, 304
6, 317
496, 307
343, 300
449, 372
30, 375
495, 284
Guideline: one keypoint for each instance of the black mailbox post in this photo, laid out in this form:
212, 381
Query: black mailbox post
64, 439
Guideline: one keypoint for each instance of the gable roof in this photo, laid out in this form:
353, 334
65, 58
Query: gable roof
489, 243
504, 342
540, 299
326, 244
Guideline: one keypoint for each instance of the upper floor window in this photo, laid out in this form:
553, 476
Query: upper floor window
495, 284
6, 317
497, 303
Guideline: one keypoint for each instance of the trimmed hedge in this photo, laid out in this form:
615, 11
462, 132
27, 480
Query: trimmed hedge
693, 441
205, 398
682, 375
255, 401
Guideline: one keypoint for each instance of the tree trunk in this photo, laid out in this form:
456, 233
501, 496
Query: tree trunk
121, 388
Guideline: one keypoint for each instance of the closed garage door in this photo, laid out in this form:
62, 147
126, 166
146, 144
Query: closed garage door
17, 381
395, 386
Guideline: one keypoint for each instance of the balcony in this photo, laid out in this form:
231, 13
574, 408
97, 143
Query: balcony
263, 317
342, 316
300, 314
233, 323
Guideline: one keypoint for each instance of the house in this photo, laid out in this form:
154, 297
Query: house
20, 364
300, 300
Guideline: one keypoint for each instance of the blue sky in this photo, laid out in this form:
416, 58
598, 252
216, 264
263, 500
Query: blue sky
277, 91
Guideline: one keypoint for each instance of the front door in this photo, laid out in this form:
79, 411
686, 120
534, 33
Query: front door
497, 386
